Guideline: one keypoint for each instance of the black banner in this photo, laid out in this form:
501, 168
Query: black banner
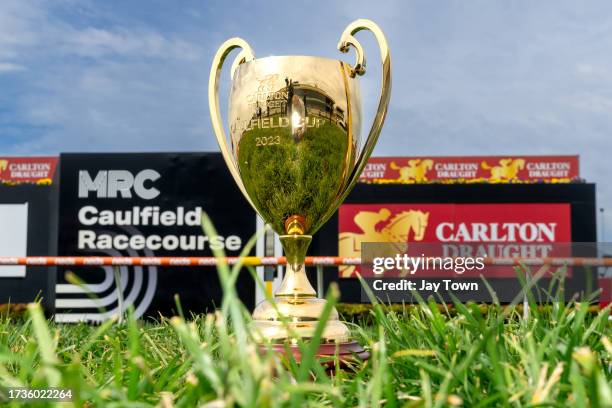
147, 204
579, 196
38, 282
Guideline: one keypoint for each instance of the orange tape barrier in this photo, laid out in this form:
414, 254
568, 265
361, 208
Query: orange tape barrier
258, 261
167, 261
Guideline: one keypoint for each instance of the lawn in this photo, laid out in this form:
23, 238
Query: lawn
558, 356
422, 356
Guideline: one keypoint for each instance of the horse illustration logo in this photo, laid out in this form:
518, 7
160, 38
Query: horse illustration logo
416, 170
267, 82
398, 228
44, 182
3, 165
507, 170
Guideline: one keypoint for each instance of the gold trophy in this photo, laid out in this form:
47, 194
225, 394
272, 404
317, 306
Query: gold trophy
295, 125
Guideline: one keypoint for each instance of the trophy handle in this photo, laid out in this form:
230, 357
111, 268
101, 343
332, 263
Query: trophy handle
245, 55
347, 40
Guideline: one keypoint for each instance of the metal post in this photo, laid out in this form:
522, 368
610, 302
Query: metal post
320, 281
119, 292
269, 271
525, 298
602, 221
525, 307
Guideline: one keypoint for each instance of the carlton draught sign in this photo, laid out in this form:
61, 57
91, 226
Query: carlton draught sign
452, 230
476, 169
17, 170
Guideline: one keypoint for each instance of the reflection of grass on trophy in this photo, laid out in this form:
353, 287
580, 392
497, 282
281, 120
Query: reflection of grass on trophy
286, 178
422, 356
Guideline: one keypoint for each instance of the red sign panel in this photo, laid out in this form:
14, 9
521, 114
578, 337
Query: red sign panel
605, 297
39, 170
477, 169
488, 230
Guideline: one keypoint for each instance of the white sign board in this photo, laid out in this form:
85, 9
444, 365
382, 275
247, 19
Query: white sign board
13, 237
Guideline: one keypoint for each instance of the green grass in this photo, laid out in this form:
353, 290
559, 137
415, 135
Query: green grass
422, 356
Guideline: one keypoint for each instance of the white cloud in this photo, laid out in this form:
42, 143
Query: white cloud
103, 87
17, 20
591, 103
6, 67
101, 43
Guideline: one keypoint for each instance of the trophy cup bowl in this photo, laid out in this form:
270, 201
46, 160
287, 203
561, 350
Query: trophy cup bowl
295, 152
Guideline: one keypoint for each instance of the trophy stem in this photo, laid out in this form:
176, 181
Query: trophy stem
295, 283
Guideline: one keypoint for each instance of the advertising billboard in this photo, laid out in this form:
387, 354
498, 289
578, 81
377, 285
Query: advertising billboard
488, 230
28, 227
147, 204
471, 169
542, 219
38, 170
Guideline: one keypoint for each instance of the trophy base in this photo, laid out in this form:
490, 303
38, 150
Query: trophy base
344, 354
302, 317
295, 313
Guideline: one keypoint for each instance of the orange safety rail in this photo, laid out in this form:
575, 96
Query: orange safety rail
258, 261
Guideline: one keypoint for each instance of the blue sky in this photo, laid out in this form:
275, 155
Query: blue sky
469, 78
